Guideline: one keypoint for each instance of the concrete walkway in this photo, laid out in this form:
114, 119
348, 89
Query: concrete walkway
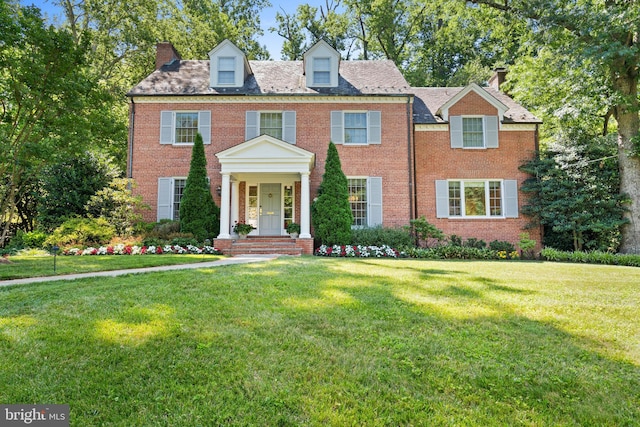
240, 259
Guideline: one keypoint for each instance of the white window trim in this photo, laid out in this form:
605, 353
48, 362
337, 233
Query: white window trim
366, 186
234, 70
369, 114
487, 199
484, 132
289, 124
175, 127
344, 127
204, 129
261, 112
371, 202
314, 70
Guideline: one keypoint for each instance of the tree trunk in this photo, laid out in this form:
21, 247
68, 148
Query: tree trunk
629, 158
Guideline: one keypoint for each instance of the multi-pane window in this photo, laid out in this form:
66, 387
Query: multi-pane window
321, 71
226, 70
252, 208
186, 128
288, 205
358, 201
355, 128
475, 198
472, 132
271, 124
178, 190
495, 198
455, 199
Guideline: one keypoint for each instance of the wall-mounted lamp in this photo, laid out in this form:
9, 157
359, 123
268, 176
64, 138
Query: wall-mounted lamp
219, 190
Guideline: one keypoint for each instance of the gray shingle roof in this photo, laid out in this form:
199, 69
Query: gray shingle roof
428, 101
274, 78
377, 77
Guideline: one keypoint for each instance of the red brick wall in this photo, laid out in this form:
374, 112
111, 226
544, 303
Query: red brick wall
436, 160
388, 160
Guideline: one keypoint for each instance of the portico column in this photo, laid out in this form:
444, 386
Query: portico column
224, 207
235, 202
305, 208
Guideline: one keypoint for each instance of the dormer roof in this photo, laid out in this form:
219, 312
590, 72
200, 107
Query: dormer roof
229, 66
443, 111
321, 64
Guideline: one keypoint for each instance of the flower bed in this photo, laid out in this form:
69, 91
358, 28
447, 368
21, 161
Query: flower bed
143, 250
357, 251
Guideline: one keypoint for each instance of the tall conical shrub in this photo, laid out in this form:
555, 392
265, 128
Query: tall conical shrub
199, 214
331, 211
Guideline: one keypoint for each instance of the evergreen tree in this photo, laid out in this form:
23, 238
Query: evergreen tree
331, 212
199, 214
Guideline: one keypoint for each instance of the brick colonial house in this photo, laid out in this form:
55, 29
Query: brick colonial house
450, 154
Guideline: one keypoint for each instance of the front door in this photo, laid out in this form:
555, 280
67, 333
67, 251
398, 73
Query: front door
270, 216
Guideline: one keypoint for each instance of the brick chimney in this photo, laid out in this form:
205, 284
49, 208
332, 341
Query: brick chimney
499, 77
165, 53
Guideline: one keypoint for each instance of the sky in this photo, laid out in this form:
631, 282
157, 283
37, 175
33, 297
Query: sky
267, 19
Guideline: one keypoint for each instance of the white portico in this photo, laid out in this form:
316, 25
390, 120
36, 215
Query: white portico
269, 168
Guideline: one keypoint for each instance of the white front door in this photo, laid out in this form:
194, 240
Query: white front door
270, 216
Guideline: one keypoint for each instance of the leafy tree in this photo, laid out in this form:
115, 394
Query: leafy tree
199, 214
603, 36
116, 204
43, 92
67, 186
574, 194
437, 43
331, 212
310, 24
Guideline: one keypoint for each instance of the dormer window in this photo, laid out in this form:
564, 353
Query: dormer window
321, 71
228, 67
226, 70
321, 66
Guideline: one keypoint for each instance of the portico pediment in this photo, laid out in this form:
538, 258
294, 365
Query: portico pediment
265, 154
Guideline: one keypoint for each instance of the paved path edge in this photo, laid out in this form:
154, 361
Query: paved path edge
239, 259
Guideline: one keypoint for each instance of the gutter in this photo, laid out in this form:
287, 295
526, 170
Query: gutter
132, 121
411, 160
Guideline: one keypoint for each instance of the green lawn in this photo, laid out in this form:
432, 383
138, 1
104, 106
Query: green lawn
326, 341
38, 266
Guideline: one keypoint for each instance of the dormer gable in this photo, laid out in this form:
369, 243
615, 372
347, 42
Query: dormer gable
443, 111
229, 66
321, 65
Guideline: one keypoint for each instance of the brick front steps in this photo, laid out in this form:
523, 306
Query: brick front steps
265, 245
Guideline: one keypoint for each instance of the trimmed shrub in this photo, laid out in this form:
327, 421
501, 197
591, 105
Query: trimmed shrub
595, 257
380, 236
82, 232
199, 214
331, 212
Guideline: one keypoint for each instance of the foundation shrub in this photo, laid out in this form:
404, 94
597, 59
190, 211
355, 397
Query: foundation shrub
82, 232
501, 245
380, 236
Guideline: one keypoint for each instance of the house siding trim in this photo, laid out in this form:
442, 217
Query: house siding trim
266, 99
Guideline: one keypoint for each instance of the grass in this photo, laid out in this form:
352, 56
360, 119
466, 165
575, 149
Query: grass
38, 266
328, 341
